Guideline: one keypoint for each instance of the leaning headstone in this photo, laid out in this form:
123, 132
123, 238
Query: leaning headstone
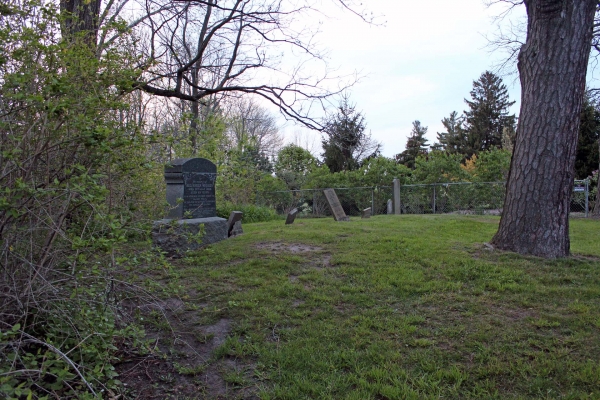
366, 213
335, 205
291, 217
389, 207
234, 223
192, 220
237, 229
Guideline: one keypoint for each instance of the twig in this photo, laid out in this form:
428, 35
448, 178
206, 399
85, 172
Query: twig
61, 355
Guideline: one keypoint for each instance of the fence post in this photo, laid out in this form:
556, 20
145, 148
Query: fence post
587, 195
372, 201
434, 199
396, 196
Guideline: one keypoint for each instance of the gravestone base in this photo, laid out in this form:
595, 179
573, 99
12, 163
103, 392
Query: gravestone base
175, 237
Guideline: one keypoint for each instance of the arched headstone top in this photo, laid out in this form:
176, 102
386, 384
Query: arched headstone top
191, 188
201, 165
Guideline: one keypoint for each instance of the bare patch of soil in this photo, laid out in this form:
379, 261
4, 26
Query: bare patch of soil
297, 303
182, 363
287, 247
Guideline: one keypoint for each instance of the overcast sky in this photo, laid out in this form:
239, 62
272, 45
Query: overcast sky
420, 65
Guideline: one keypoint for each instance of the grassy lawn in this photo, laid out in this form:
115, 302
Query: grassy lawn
393, 307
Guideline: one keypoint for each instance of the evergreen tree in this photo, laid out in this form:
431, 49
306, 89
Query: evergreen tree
454, 139
416, 145
346, 143
488, 114
589, 133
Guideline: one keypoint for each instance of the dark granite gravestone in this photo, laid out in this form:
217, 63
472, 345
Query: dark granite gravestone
291, 216
335, 205
192, 220
234, 224
366, 213
191, 188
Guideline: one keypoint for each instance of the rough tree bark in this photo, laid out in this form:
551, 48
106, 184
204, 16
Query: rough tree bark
81, 17
552, 68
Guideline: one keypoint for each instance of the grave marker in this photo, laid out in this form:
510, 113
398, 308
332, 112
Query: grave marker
191, 188
291, 216
335, 205
389, 207
366, 213
192, 220
234, 224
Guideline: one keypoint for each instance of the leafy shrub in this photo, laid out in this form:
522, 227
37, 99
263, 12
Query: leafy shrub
251, 212
72, 169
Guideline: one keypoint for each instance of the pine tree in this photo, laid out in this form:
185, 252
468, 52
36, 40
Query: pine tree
586, 160
488, 114
346, 143
416, 145
454, 139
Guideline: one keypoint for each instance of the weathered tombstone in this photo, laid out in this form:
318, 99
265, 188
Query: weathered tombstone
366, 213
291, 216
234, 224
191, 188
192, 220
389, 207
335, 205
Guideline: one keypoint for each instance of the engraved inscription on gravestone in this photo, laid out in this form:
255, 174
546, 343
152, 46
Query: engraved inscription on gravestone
191, 188
335, 205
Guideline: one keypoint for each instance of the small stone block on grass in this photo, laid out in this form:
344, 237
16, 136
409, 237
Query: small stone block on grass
335, 205
366, 213
234, 223
291, 216
389, 207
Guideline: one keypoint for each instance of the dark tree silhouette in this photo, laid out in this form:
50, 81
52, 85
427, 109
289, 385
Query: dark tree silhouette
454, 140
586, 160
416, 145
346, 143
487, 115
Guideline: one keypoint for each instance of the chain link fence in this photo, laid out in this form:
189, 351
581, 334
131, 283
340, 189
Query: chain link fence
580, 199
312, 202
459, 197
440, 198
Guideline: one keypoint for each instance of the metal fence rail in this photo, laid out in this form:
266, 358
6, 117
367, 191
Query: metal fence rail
458, 197
437, 198
312, 202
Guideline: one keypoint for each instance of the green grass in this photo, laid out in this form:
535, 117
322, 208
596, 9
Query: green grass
404, 307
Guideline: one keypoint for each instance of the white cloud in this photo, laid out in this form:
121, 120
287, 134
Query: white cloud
420, 65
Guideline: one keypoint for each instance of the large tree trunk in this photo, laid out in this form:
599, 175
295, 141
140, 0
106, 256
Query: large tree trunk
552, 67
80, 17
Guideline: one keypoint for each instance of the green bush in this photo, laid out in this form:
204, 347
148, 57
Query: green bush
251, 212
